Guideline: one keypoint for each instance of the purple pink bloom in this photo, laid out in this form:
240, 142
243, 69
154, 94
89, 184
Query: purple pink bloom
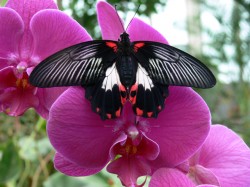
132, 146
85, 144
223, 160
31, 31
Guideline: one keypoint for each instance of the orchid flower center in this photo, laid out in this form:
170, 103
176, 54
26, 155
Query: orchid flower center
128, 149
132, 144
192, 174
23, 83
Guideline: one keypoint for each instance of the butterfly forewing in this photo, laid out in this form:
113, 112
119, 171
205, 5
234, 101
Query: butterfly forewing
170, 66
82, 64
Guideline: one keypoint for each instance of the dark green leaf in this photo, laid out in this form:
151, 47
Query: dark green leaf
10, 163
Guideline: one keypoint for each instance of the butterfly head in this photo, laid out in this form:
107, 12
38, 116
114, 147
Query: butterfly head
124, 37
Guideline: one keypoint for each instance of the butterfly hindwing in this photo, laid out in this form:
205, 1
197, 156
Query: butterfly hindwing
108, 96
79, 65
170, 66
147, 97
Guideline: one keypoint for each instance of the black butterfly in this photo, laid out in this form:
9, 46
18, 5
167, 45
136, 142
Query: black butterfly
113, 72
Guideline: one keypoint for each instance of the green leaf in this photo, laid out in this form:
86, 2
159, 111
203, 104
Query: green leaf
44, 146
3, 2
10, 163
60, 180
41, 124
28, 148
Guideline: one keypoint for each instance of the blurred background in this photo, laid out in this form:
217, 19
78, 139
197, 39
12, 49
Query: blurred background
216, 32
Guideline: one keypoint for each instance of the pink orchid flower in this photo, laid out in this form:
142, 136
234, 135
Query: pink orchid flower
225, 157
223, 160
169, 177
31, 31
135, 146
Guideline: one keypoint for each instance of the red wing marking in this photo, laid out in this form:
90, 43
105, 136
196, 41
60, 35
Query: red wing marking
132, 94
139, 112
138, 45
118, 112
149, 114
108, 116
112, 45
123, 94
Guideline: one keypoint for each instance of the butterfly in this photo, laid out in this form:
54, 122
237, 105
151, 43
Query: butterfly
114, 72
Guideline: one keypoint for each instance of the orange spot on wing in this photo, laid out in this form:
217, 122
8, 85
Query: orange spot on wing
141, 44
138, 45
112, 45
139, 112
149, 114
134, 87
123, 94
118, 112
122, 88
123, 100
108, 116
132, 100
132, 95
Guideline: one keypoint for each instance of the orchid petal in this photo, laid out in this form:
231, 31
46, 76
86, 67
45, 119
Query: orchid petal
77, 133
128, 115
145, 148
13, 100
183, 167
110, 23
11, 31
140, 31
148, 148
72, 169
201, 175
227, 156
129, 169
53, 30
47, 97
7, 78
181, 128
27, 9
169, 178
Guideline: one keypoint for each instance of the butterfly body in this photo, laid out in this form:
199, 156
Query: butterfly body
114, 72
126, 63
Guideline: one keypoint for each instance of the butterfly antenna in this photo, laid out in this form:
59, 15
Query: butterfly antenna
119, 17
133, 17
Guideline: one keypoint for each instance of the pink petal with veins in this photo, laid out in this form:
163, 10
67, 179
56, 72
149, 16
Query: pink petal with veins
71, 169
27, 9
53, 30
111, 25
79, 134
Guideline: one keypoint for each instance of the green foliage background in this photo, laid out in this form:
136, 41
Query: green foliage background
26, 156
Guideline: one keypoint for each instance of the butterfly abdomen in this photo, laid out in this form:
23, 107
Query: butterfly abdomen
127, 68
